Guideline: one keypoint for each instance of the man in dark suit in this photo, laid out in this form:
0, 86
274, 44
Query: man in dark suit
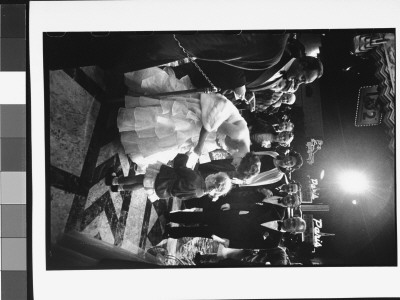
286, 75
260, 227
292, 187
236, 199
295, 70
121, 52
243, 198
129, 51
288, 200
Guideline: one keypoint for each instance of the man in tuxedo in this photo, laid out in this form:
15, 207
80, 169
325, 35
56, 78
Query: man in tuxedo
261, 226
121, 52
297, 71
130, 51
236, 199
285, 76
243, 198
288, 200
293, 187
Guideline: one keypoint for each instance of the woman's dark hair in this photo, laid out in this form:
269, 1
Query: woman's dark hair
296, 155
262, 124
264, 96
311, 63
299, 159
290, 139
249, 166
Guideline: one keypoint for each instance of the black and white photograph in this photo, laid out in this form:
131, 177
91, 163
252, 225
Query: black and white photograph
218, 149
253, 150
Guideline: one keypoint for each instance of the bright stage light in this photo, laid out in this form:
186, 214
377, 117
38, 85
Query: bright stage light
321, 176
353, 182
354, 202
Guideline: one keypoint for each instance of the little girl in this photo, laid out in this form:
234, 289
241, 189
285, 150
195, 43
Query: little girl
163, 182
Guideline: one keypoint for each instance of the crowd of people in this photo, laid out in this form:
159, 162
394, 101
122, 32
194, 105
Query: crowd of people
169, 125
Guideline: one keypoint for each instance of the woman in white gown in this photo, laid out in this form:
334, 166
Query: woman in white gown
157, 128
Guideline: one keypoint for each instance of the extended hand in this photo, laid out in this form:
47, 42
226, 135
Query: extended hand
197, 150
240, 92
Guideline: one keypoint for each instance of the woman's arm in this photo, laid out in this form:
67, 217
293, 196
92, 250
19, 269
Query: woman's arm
217, 109
219, 113
237, 136
236, 130
202, 138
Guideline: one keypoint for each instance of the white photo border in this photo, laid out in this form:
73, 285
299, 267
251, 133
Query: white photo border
156, 15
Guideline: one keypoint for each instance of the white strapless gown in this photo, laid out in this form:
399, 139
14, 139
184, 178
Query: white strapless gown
157, 130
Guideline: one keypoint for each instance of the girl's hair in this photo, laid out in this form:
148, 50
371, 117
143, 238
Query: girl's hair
249, 166
223, 185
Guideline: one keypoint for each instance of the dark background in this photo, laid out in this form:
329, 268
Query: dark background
365, 233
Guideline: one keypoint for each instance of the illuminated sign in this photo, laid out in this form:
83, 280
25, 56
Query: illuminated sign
313, 234
310, 192
308, 235
312, 147
317, 233
368, 107
314, 189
